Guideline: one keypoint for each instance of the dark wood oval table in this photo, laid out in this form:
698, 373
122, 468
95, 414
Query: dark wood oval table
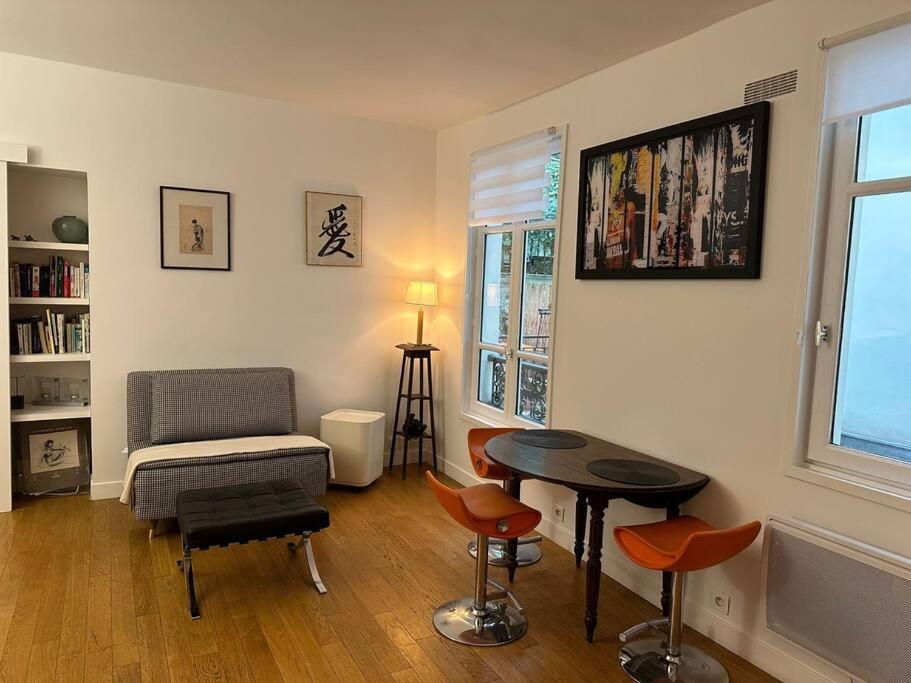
567, 467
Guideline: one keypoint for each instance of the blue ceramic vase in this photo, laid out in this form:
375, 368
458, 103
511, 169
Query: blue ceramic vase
71, 230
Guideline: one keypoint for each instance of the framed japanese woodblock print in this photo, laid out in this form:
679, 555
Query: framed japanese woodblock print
195, 229
684, 201
334, 229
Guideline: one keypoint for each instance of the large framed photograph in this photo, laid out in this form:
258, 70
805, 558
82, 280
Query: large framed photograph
334, 229
684, 201
55, 457
195, 229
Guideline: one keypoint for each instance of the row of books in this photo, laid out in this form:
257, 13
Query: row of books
51, 333
58, 279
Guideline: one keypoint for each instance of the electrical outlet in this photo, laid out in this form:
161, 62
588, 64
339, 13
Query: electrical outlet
559, 512
721, 602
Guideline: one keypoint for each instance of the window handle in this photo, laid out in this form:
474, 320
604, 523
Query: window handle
822, 333
510, 353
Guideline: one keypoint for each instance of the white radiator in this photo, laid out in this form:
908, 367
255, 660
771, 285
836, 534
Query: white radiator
839, 598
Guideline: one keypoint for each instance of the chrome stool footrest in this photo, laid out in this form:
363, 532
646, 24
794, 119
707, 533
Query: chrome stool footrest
503, 593
527, 553
660, 626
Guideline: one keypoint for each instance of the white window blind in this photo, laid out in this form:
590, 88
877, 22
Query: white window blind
508, 182
868, 74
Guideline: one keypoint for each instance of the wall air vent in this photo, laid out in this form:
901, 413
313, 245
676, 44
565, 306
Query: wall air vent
773, 86
843, 600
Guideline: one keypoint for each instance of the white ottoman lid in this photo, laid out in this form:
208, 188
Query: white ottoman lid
351, 415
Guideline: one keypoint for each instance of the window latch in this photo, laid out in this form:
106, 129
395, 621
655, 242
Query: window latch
822, 333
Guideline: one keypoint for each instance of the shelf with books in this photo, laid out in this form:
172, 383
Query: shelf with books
48, 246
58, 278
33, 413
51, 333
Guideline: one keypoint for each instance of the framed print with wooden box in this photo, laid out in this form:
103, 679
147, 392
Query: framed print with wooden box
684, 201
334, 229
53, 458
195, 229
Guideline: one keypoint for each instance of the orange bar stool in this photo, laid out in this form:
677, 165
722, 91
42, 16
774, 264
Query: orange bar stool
489, 512
681, 545
526, 549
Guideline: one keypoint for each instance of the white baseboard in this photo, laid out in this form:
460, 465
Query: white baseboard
647, 584
99, 490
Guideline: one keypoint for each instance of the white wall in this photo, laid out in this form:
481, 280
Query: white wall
708, 369
335, 326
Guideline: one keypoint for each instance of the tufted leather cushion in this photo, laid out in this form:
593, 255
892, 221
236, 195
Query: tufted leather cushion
250, 512
202, 405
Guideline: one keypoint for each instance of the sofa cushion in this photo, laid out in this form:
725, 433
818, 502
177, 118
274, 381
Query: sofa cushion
217, 405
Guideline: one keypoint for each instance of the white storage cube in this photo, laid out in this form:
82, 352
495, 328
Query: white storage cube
356, 438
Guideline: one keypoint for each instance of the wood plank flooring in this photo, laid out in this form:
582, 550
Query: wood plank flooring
85, 595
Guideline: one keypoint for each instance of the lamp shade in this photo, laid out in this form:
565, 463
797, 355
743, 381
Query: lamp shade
422, 293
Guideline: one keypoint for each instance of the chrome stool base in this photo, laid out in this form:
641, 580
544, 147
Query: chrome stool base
645, 661
500, 625
526, 554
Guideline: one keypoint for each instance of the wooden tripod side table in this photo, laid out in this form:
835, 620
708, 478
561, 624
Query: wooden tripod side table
421, 354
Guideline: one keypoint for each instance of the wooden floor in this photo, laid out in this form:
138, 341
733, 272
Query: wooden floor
84, 595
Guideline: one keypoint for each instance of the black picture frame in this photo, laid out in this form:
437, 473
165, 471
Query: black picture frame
161, 222
749, 242
35, 483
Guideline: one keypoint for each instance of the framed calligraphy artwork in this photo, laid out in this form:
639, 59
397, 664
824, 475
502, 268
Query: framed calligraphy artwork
334, 229
195, 229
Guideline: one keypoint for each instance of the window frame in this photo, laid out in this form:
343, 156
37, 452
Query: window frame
814, 457
472, 408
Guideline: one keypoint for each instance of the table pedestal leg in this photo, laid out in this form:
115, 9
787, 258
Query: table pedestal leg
581, 515
514, 487
667, 578
593, 569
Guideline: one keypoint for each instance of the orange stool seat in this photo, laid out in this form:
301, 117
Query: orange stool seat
684, 544
486, 509
483, 466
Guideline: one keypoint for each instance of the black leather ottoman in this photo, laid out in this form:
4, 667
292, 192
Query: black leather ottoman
250, 512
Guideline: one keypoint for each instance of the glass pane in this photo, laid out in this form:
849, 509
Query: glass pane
885, 144
552, 191
532, 401
537, 278
495, 288
492, 379
873, 404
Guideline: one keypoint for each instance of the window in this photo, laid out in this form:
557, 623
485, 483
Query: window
859, 410
513, 224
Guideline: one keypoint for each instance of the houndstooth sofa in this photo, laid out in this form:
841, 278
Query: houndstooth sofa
174, 406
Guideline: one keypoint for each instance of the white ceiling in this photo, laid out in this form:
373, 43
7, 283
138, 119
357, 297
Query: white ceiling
428, 63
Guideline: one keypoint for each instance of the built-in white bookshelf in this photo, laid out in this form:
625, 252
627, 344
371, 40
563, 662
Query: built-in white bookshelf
35, 196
